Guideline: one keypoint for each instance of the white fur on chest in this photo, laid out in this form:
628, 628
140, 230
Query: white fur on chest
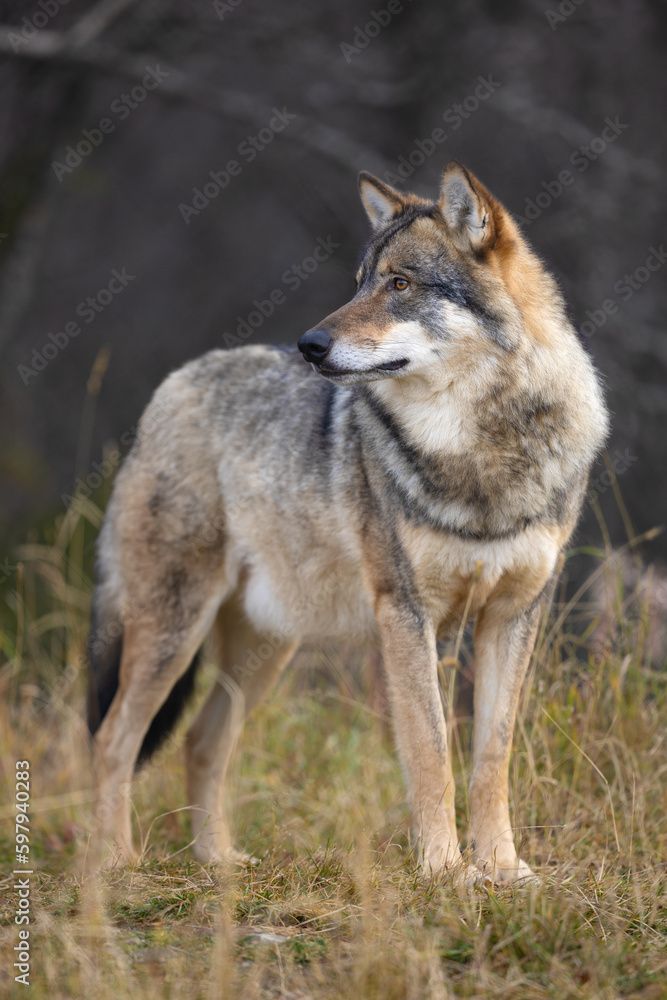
447, 568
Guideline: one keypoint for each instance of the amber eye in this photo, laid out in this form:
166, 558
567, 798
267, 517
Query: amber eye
400, 284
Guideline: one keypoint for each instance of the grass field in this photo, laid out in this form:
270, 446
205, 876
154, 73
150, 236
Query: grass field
335, 906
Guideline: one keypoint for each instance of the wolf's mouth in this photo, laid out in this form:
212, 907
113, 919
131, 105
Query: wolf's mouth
389, 366
393, 366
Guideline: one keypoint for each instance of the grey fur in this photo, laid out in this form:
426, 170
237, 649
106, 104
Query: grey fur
369, 504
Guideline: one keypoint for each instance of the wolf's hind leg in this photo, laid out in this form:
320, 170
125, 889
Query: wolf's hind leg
241, 683
157, 650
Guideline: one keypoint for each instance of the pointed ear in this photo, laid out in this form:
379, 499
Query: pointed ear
380, 200
468, 208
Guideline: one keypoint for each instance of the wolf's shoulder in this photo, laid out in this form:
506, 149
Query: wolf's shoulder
253, 385
245, 370
244, 363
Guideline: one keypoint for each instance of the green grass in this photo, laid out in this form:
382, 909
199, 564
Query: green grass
335, 907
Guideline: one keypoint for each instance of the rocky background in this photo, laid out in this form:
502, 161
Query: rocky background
169, 168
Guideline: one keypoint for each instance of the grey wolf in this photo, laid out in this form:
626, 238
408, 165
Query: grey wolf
430, 459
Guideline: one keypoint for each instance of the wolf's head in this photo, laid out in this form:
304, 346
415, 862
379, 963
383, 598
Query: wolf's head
443, 288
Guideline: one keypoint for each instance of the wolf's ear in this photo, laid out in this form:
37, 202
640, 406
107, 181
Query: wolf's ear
468, 208
380, 200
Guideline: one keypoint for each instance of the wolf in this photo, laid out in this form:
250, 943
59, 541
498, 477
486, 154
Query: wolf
420, 459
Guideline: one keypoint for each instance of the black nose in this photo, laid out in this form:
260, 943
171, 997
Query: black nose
315, 345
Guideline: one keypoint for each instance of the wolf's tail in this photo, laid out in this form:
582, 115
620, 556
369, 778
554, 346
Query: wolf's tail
105, 649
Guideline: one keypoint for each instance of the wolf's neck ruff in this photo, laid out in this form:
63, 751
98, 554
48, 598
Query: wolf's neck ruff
482, 494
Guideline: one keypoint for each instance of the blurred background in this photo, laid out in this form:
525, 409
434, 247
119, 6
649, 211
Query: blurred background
165, 166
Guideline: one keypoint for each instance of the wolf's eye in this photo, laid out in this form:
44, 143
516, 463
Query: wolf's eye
400, 284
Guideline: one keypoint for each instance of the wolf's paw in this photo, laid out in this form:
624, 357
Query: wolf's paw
461, 875
512, 872
240, 858
440, 856
211, 854
468, 877
444, 860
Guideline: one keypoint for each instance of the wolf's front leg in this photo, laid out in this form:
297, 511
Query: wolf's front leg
410, 659
503, 646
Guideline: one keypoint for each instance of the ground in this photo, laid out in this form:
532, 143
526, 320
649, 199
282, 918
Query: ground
335, 906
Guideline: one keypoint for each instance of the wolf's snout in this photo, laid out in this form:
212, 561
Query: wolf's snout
315, 345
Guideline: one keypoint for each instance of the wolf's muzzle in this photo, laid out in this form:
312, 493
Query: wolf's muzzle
315, 345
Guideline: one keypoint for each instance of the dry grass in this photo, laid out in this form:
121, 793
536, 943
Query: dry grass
335, 907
